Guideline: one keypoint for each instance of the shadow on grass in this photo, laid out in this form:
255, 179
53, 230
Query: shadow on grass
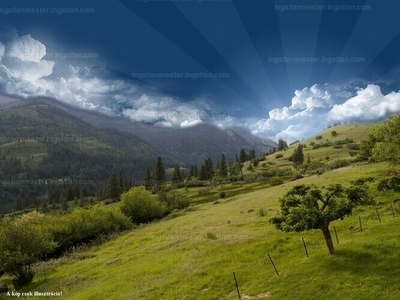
373, 260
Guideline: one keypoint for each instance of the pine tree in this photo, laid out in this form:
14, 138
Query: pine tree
252, 154
223, 169
203, 172
121, 182
298, 156
196, 170
148, 179
177, 175
282, 144
209, 168
159, 174
243, 155
113, 191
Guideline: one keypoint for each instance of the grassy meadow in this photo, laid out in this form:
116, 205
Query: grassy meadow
192, 254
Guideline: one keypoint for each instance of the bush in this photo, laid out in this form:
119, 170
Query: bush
22, 241
82, 225
222, 195
262, 212
319, 137
202, 190
278, 156
211, 236
391, 183
172, 202
353, 153
275, 181
140, 206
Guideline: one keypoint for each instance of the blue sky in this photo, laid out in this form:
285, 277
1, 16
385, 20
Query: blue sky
279, 68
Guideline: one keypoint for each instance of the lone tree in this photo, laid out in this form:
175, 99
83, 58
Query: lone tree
113, 190
223, 168
298, 156
282, 144
159, 174
148, 179
177, 175
306, 207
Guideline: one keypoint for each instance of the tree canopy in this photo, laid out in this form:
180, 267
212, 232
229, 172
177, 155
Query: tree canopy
387, 141
21, 242
307, 207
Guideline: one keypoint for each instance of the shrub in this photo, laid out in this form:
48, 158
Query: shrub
353, 153
278, 156
297, 175
211, 236
275, 181
222, 195
262, 212
82, 225
391, 183
22, 241
202, 190
171, 201
318, 137
140, 206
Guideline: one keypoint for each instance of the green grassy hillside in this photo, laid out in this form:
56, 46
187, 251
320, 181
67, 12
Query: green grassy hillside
193, 255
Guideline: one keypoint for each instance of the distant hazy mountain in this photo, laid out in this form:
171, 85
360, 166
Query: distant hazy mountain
184, 146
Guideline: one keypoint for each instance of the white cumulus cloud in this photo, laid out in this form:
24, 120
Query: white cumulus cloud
26, 48
313, 109
369, 104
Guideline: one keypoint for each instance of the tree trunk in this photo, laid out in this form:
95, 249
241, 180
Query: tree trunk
328, 239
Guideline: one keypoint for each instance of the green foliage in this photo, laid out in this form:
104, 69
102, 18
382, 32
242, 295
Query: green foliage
278, 155
306, 207
172, 201
211, 236
148, 179
222, 195
319, 137
140, 205
206, 170
177, 175
82, 225
275, 181
223, 168
387, 138
243, 156
366, 147
390, 183
159, 174
298, 156
282, 144
21, 242
234, 169
113, 189
334, 133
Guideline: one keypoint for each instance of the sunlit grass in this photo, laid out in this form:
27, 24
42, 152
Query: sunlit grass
193, 256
